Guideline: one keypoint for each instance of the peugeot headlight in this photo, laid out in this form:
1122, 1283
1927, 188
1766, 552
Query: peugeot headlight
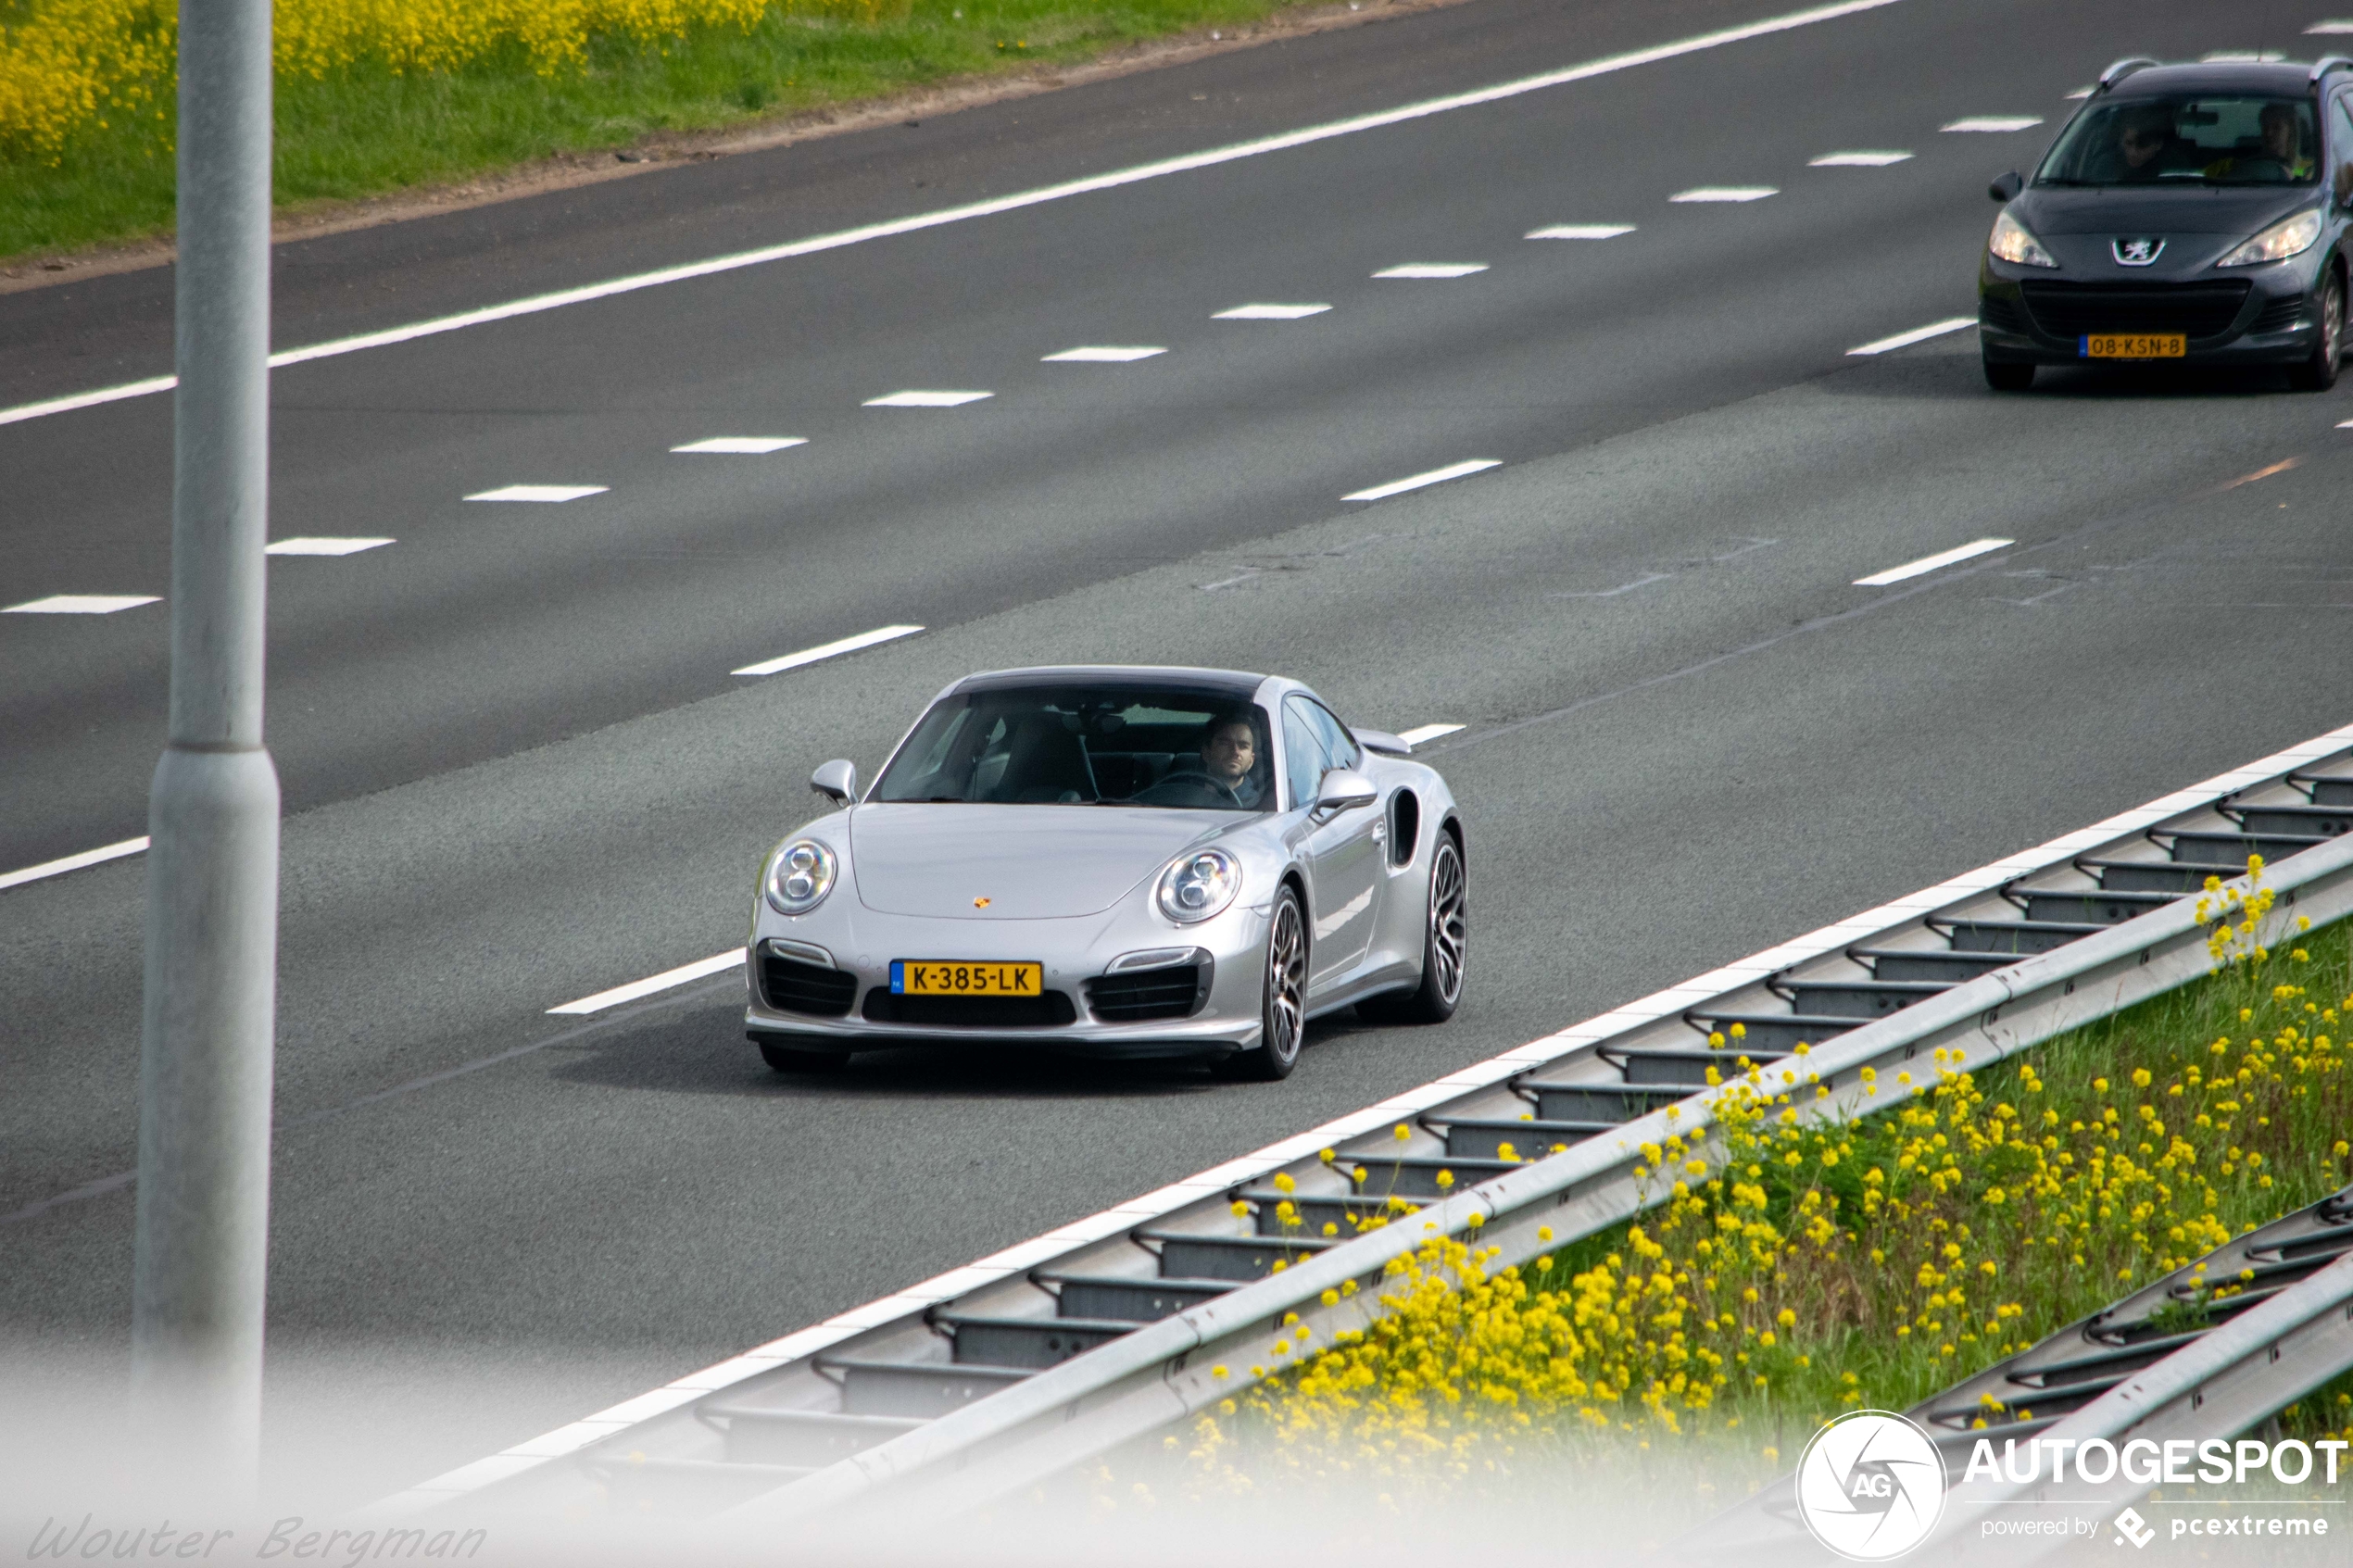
800, 876
1199, 885
2289, 236
2012, 241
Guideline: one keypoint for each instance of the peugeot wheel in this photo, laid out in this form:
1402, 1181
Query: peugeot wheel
2319, 372
1283, 1010
1445, 946
2007, 375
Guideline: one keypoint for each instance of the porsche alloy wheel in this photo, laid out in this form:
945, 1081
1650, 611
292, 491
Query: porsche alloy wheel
1445, 947
1283, 1013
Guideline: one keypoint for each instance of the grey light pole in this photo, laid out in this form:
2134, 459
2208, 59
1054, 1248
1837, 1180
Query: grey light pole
212, 813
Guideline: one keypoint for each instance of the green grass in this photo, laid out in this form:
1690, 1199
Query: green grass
359, 134
1868, 1263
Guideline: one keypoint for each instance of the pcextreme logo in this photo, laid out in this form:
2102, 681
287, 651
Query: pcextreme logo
1870, 1486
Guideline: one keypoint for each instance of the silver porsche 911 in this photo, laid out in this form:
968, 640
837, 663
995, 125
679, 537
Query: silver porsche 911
1126, 862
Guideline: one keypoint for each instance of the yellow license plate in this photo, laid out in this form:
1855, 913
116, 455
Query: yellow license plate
922, 977
2134, 345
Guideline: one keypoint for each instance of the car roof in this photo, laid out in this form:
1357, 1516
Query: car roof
1235, 685
2287, 79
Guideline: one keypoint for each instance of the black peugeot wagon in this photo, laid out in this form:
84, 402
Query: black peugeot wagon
2190, 212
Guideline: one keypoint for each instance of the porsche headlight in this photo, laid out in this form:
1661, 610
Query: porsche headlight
2012, 241
2289, 236
1199, 885
800, 876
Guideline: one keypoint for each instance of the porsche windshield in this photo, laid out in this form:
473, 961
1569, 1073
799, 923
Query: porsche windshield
2230, 138
1079, 746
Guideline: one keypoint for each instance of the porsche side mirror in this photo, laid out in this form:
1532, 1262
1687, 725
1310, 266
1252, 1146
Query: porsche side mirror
2006, 188
1343, 789
837, 780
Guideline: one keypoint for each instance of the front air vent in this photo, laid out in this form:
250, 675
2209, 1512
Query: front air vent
792, 985
1141, 994
970, 1012
2193, 310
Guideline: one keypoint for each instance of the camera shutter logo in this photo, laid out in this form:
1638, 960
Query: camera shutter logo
1870, 1486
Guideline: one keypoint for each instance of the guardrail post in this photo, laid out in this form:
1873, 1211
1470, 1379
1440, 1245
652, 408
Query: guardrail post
212, 869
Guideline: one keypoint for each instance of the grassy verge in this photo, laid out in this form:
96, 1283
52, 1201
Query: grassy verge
1867, 1265
362, 130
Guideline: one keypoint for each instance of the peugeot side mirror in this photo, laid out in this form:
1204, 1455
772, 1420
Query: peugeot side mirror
2006, 188
837, 780
1343, 789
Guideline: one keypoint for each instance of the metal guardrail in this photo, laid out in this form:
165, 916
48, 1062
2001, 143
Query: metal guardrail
997, 1377
2172, 1360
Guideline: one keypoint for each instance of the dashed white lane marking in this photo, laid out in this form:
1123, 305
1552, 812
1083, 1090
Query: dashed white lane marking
1210, 158
926, 399
2241, 57
1433, 269
2345, 424
81, 604
1269, 312
322, 545
1918, 334
743, 446
2330, 27
828, 650
1099, 356
547, 493
2082, 93
1421, 732
72, 862
1926, 564
1725, 194
1435, 476
1994, 123
1856, 160
685, 974
1581, 232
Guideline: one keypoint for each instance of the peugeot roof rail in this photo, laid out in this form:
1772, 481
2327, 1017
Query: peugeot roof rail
2328, 63
2125, 67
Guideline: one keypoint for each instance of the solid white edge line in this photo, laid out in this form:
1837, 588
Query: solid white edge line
1414, 482
73, 862
1918, 334
1422, 732
1926, 564
82, 604
828, 650
669, 979
1306, 136
1026, 1255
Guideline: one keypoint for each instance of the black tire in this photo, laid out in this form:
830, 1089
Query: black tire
1445, 947
2319, 372
1282, 1015
2009, 375
795, 1059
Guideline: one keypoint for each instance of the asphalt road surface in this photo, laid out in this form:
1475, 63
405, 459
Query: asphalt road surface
518, 768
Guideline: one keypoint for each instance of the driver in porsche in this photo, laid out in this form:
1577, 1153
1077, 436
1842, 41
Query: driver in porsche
1229, 756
